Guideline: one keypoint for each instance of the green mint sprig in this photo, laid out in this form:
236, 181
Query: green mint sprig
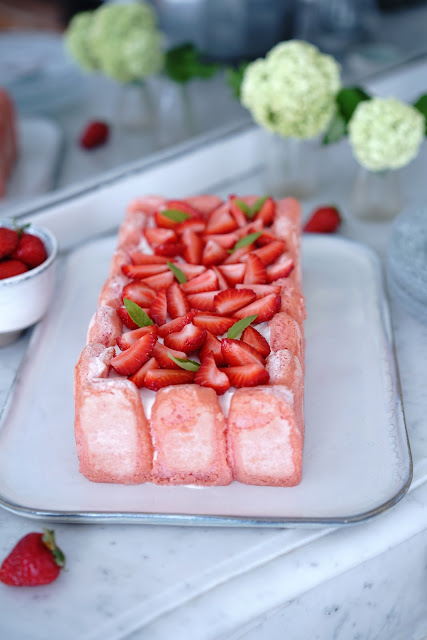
236, 330
185, 363
137, 314
179, 275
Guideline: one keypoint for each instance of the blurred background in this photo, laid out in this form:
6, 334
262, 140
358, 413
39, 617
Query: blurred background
55, 99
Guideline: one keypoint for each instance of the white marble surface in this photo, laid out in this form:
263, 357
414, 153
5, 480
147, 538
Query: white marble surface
141, 582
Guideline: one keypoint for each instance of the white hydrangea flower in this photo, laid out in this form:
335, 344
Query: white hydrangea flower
77, 40
385, 133
292, 90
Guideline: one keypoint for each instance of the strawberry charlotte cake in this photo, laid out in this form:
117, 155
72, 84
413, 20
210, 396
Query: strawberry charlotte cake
193, 372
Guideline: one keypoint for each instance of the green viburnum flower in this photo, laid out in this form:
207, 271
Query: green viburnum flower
121, 39
77, 40
385, 133
292, 90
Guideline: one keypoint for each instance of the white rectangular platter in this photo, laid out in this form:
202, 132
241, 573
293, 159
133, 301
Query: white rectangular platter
357, 461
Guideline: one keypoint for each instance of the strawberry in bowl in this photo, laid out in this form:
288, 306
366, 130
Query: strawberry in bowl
27, 277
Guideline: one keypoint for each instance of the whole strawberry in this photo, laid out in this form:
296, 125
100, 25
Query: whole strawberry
35, 560
323, 220
30, 250
8, 241
94, 135
10, 268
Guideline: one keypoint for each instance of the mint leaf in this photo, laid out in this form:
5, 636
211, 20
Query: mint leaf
421, 105
347, 100
185, 62
185, 363
234, 78
257, 205
247, 240
250, 211
137, 314
175, 214
245, 208
179, 275
238, 327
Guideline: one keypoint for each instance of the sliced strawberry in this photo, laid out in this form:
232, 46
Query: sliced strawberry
222, 282
260, 290
213, 253
253, 337
255, 271
208, 375
169, 249
237, 353
230, 300
164, 222
133, 358
138, 377
139, 293
265, 238
267, 212
189, 339
226, 240
239, 254
204, 203
127, 339
264, 308
323, 220
234, 273
156, 236
212, 344
198, 226
177, 302
125, 318
140, 271
158, 309
215, 324
237, 213
203, 301
160, 352
206, 281
221, 221
270, 252
190, 270
193, 246
248, 375
160, 280
251, 227
181, 205
176, 325
157, 378
281, 270
138, 257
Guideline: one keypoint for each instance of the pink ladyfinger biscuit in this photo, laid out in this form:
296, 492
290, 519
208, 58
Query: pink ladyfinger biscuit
293, 301
204, 203
111, 431
105, 327
285, 369
148, 205
187, 427
120, 258
264, 438
131, 230
94, 362
286, 333
111, 292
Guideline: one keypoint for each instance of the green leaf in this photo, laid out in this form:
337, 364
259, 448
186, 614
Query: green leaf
137, 314
185, 62
238, 327
234, 78
421, 105
185, 363
247, 240
179, 275
336, 130
175, 214
257, 205
245, 208
347, 100
250, 211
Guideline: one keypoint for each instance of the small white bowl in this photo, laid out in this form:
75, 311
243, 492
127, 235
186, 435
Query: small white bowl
24, 299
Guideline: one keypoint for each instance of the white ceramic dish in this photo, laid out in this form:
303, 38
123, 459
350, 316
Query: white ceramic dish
357, 461
24, 299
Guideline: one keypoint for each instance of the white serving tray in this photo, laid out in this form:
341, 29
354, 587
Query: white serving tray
356, 460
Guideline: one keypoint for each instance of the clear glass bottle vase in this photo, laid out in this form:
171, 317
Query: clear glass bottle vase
376, 195
290, 166
134, 109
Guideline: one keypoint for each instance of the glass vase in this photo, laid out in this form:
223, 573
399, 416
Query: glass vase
290, 166
134, 109
376, 195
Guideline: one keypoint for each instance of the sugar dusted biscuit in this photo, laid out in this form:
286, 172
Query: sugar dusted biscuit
105, 327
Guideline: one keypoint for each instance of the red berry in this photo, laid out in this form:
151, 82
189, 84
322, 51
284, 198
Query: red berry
35, 560
30, 250
324, 220
94, 135
8, 241
10, 268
